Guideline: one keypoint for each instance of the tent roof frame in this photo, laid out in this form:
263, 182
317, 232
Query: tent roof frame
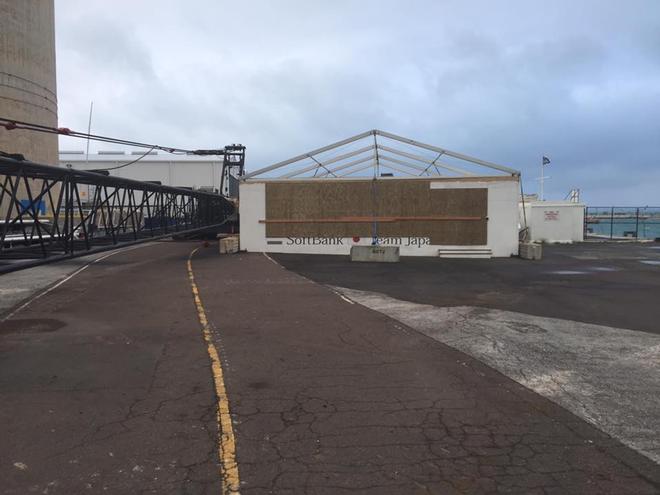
345, 162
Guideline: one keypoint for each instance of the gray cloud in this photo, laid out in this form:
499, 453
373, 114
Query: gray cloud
579, 81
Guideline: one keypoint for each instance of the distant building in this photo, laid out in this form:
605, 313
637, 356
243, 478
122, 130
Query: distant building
202, 172
553, 221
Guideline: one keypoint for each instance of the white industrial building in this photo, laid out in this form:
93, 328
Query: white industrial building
379, 188
203, 172
553, 221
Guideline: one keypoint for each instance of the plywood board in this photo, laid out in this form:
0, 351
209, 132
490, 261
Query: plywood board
299, 202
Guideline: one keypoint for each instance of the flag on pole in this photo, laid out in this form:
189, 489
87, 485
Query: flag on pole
546, 160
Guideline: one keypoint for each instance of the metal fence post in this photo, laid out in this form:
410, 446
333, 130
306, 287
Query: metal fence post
585, 223
612, 224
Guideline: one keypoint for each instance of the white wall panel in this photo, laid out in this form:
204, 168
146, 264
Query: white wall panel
502, 224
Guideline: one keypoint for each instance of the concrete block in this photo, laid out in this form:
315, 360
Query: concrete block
229, 245
375, 254
531, 251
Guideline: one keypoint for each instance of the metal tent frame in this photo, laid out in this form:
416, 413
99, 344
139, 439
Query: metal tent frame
382, 151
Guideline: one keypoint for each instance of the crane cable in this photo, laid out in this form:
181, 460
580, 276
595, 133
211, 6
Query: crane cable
130, 163
11, 124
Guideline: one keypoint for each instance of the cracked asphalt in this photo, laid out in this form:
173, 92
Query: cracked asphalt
331, 397
607, 376
105, 384
106, 387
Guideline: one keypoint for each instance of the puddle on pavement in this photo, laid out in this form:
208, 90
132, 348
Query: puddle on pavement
567, 272
650, 262
41, 325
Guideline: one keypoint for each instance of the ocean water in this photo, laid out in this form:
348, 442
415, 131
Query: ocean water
649, 229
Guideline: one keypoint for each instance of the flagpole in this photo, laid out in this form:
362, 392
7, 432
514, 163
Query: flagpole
89, 131
542, 174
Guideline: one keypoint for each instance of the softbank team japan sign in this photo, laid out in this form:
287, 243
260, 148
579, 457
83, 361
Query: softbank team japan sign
347, 241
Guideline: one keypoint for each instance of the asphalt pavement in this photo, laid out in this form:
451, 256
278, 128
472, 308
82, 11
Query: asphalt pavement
331, 397
105, 384
106, 387
613, 284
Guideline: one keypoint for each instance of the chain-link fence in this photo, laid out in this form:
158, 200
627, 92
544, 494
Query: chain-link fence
614, 222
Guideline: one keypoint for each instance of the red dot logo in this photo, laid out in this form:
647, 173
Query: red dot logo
356, 239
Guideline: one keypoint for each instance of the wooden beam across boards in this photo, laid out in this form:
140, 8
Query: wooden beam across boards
371, 219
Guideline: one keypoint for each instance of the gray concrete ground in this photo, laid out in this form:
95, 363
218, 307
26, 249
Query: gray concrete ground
608, 376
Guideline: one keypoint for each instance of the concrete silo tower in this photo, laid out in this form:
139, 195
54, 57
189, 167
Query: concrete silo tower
27, 76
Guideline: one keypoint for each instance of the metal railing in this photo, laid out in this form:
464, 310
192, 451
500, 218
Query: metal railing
49, 213
622, 222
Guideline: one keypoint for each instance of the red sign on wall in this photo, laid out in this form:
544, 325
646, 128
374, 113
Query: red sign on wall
551, 215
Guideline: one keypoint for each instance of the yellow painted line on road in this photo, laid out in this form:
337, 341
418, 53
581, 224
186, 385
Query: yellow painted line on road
226, 441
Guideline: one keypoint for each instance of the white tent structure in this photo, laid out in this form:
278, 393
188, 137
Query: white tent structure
379, 188
376, 152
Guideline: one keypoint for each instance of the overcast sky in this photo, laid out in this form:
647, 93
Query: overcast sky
505, 81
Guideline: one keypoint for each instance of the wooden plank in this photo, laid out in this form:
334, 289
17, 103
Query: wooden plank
369, 219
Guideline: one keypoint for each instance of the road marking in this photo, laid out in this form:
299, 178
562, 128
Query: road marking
342, 296
65, 279
346, 299
272, 260
227, 442
308, 280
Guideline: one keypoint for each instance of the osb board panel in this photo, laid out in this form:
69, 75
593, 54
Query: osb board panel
318, 200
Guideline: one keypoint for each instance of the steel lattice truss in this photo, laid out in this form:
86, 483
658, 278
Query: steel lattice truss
376, 153
49, 213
